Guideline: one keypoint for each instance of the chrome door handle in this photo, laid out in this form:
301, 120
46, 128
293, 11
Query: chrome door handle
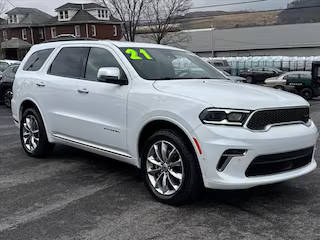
40, 84
83, 91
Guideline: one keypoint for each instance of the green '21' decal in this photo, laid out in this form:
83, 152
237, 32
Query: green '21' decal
134, 55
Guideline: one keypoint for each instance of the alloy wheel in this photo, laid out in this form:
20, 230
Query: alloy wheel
30, 133
165, 168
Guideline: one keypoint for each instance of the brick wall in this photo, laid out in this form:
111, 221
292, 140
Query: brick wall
103, 31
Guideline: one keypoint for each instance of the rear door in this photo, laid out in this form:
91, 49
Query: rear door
64, 111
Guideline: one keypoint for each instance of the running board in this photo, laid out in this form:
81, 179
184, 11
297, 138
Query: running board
90, 145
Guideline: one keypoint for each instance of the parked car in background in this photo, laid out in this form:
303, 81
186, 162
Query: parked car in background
4, 64
233, 78
260, 74
299, 82
220, 64
6, 83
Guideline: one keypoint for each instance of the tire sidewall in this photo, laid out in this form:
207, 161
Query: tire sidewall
307, 90
188, 164
43, 140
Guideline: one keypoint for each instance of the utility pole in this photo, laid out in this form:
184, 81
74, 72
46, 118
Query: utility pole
212, 41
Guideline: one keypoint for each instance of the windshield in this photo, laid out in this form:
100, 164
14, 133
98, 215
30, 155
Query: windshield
167, 64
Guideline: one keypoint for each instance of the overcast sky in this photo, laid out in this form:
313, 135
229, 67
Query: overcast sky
49, 5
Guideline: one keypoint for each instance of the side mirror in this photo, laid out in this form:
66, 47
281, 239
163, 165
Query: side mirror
111, 75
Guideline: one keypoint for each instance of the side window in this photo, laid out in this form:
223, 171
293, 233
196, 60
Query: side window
98, 58
37, 59
70, 62
15, 69
3, 66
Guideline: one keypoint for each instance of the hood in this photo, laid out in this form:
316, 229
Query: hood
226, 94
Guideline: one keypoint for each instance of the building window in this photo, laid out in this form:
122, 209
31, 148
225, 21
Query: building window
115, 30
77, 31
24, 34
53, 32
99, 14
61, 14
13, 19
41, 33
102, 15
93, 31
66, 14
5, 35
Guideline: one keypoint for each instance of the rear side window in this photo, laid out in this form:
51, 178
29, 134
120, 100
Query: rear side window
70, 62
37, 59
3, 66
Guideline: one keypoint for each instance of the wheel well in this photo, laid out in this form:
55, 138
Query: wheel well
25, 105
154, 126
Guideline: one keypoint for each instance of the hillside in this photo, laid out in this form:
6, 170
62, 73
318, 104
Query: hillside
232, 20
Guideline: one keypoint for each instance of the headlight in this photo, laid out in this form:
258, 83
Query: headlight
224, 116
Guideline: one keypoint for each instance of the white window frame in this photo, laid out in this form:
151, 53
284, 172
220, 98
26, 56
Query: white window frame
61, 15
115, 30
15, 19
24, 34
66, 14
99, 13
76, 32
53, 31
93, 30
5, 35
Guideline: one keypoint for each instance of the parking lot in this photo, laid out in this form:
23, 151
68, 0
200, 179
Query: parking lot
78, 195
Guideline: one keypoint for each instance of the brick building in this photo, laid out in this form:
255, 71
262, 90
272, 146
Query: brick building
79, 20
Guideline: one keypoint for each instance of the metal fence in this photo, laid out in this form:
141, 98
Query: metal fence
287, 66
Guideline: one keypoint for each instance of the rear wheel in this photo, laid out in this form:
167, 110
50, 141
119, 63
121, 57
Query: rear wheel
170, 169
307, 93
7, 98
249, 79
33, 135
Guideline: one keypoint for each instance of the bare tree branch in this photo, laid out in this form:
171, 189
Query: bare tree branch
129, 12
162, 17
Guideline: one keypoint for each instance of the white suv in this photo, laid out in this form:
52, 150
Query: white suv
163, 110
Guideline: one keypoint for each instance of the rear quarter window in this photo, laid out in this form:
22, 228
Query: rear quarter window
37, 59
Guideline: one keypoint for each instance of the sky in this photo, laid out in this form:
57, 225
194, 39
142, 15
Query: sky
49, 5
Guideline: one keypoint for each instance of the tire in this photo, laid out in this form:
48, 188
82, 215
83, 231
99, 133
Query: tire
35, 144
250, 79
307, 93
7, 98
279, 87
183, 178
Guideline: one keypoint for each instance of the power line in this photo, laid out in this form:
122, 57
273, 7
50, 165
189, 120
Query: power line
229, 4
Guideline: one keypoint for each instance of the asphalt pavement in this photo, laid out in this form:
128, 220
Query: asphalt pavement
77, 195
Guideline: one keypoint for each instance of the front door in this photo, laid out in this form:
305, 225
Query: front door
102, 105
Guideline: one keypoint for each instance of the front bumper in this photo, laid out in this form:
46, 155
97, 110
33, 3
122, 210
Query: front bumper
215, 140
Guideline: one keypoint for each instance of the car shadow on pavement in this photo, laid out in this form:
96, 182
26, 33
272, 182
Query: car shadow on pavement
280, 194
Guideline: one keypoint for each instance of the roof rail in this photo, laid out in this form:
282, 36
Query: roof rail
61, 39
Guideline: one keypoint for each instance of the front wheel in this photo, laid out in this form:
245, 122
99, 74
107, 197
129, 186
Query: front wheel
170, 168
33, 134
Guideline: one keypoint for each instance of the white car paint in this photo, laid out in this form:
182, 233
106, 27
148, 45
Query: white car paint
113, 130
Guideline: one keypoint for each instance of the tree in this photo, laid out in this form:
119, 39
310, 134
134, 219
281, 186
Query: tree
129, 12
162, 18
